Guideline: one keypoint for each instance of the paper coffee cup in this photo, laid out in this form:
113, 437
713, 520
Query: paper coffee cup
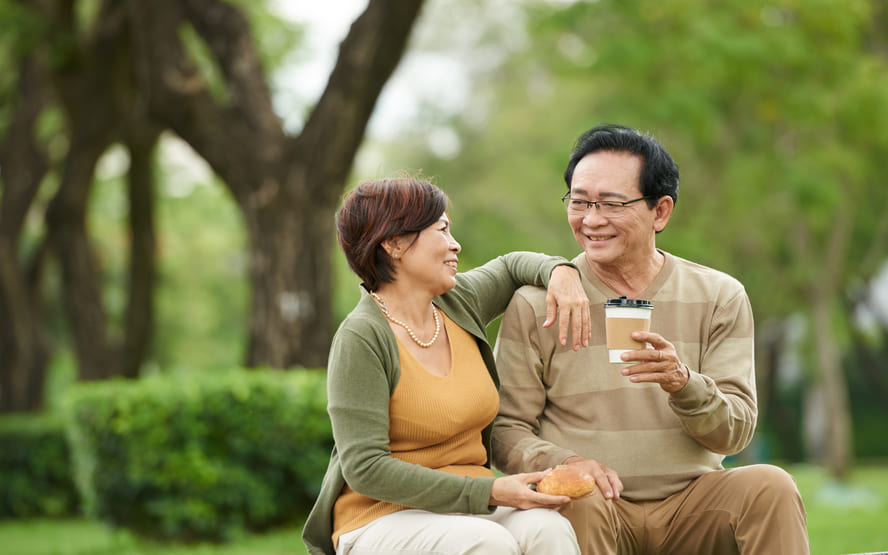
623, 316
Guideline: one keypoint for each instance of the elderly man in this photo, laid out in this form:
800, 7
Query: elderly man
653, 432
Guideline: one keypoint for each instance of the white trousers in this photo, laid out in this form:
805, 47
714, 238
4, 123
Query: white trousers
506, 531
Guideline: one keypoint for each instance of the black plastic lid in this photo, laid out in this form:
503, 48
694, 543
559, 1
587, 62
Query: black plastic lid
629, 303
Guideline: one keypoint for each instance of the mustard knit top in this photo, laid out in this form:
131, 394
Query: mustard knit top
435, 422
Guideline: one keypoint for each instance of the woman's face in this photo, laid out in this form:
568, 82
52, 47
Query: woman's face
430, 262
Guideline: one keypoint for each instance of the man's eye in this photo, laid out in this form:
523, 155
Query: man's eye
606, 204
579, 204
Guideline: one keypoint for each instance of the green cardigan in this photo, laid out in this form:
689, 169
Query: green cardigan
362, 372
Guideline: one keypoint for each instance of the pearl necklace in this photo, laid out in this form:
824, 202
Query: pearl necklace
424, 345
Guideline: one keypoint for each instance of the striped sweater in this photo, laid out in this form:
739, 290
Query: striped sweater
556, 403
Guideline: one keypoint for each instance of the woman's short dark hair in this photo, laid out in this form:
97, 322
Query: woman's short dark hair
659, 172
381, 209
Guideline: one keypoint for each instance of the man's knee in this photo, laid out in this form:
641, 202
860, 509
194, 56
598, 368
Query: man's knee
774, 519
772, 483
592, 516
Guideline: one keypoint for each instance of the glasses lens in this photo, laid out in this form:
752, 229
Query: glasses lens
573, 206
610, 208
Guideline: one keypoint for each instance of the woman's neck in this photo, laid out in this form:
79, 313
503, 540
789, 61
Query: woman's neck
406, 304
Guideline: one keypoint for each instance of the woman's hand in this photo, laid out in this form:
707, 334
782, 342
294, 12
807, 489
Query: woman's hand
513, 491
567, 299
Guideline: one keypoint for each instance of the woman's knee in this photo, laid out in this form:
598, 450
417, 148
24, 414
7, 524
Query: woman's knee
415, 531
490, 539
543, 531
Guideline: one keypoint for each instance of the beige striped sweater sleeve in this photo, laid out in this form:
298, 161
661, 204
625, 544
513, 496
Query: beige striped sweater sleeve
557, 403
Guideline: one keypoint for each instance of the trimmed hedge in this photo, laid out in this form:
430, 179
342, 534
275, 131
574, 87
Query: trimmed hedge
200, 458
35, 475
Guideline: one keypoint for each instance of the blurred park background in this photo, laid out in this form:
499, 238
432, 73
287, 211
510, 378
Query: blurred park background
170, 282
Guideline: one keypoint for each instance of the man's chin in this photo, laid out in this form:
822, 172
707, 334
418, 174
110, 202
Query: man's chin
599, 255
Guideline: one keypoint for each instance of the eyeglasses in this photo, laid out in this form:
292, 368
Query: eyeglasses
606, 208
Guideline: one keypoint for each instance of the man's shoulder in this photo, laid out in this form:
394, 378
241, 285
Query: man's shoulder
531, 295
705, 277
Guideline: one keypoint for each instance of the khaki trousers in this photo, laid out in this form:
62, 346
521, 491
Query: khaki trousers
749, 510
506, 531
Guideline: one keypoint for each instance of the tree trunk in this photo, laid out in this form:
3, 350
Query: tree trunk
95, 83
291, 278
838, 414
287, 189
82, 296
23, 350
85, 81
139, 328
826, 351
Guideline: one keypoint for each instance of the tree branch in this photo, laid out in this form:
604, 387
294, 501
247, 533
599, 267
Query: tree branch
228, 36
367, 58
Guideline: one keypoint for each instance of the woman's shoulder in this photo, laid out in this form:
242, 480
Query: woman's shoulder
364, 321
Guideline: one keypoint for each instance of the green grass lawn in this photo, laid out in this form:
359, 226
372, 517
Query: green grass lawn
85, 537
850, 518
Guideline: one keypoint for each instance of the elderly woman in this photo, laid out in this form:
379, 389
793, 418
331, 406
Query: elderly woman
412, 389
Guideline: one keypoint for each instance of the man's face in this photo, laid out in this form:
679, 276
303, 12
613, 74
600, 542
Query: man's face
617, 239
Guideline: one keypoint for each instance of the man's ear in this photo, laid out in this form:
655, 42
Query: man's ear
663, 211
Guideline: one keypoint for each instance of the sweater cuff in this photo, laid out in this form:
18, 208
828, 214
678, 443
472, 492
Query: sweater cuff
479, 498
563, 263
558, 455
691, 395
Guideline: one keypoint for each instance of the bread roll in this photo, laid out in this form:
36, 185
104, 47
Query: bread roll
567, 479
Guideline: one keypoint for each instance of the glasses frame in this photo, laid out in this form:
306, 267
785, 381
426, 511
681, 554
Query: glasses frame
597, 203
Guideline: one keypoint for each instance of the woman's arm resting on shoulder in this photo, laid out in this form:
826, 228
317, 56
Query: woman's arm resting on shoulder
567, 300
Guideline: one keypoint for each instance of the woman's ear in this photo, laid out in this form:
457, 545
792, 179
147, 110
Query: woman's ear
392, 246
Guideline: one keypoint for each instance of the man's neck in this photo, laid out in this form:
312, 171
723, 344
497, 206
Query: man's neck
630, 279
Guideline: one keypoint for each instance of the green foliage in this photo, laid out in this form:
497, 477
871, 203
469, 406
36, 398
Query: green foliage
203, 291
35, 468
771, 110
200, 457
